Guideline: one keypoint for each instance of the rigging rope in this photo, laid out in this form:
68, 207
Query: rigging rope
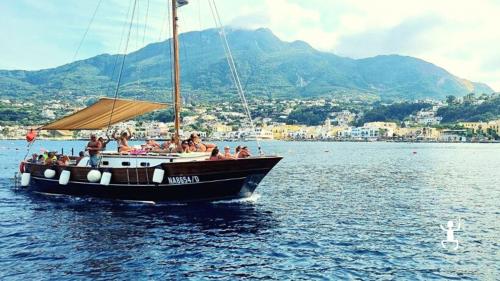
145, 23
83, 38
122, 64
72, 60
87, 30
232, 66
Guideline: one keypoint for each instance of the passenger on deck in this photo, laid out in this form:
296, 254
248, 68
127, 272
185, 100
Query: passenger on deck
227, 153
80, 157
94, 147
104, 142
45, 154
63, 160
244, 153
237, 151
215, 155
40, 159
168, 146
192, 146
51, 158
185, 147
122, 141
199, 145
151, 145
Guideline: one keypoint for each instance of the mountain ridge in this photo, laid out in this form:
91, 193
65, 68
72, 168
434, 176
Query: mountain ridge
267, 65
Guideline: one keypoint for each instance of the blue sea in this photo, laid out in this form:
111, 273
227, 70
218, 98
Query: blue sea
328, 211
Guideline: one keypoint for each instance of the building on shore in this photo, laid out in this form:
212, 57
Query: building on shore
453, 136
482, 127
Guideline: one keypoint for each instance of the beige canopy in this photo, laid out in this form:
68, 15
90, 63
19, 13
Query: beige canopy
97, 116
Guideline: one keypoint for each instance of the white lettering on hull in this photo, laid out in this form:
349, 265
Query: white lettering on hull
183, 180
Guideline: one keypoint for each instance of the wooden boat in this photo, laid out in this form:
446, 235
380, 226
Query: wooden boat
145, 177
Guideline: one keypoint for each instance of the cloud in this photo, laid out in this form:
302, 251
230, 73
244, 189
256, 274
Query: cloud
407, 37
461, 36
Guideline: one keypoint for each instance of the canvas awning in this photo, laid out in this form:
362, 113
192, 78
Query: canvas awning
97, 116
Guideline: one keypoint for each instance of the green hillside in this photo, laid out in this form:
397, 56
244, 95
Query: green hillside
268, 67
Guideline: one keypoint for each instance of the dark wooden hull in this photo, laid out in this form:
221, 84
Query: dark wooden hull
183, 181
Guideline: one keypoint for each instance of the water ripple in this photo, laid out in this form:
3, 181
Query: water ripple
360, 211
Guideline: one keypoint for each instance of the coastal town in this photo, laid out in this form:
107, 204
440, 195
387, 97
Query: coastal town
341, 120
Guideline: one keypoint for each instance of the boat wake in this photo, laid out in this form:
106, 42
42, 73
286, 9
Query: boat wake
251, 199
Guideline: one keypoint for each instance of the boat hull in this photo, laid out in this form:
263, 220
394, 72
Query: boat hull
188, 181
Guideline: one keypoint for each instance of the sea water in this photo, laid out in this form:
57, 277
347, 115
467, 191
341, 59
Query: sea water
327, 211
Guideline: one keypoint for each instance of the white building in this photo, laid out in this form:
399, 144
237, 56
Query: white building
365, 133
428, 118
47, 113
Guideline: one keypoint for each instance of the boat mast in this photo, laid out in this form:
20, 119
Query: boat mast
177, 80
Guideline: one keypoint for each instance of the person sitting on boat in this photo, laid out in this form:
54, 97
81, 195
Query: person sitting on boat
199, 145
40, 159
244, 153
51, 158
227, 153
44, 153
151, 145
185, 147
237, 151
94, 147
168, 146
63, 160
192, 146
122, 141
80, 157
215, 155
104, 142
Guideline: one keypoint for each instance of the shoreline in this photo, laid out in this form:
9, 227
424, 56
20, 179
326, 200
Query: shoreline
298, 140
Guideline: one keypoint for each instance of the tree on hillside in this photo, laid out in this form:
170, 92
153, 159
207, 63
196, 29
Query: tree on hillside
451, 99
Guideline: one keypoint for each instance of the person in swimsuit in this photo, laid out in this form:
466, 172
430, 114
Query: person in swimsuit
151, 145
185, 147
215, 155
122, 141
199, 145
244, 153
227, 153
104, 142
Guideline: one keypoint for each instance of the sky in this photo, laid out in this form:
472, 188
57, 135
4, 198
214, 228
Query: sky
461, 36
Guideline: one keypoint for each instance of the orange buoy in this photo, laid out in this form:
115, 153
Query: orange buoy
31, 135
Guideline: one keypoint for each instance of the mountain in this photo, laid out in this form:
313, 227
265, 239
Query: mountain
267, 66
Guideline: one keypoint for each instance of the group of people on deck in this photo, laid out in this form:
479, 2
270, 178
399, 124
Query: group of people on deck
96, 145
50, 158
192, 144
240, 152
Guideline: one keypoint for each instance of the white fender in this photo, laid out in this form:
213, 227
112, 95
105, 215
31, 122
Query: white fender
106, 178
158, 175
25, 179
49, 173
94, 176
64, 177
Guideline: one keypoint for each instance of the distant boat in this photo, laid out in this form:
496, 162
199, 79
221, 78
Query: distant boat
150, 176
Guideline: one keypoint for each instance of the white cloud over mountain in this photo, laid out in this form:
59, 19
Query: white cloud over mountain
460, 36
